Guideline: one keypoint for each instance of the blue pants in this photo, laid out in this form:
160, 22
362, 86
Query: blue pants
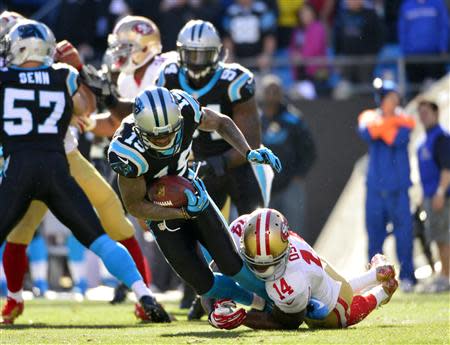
384, 207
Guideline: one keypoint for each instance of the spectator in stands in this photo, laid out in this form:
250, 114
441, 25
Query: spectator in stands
250, 32
289, 137
287, 20
423, 30
434, 166
358, 31
309, 40
387, 131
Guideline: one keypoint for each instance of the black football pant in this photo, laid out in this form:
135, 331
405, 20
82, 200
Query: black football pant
240, 184
37, 175
179, 241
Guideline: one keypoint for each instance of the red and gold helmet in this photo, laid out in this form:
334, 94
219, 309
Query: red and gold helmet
134, 41
265, 243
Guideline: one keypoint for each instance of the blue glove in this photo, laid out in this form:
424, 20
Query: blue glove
316, 310
264, 156
198, 202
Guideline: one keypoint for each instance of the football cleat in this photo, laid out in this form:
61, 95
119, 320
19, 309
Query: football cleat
389, 287
154, 311
139, 312
384, 269
120, 294
11, 310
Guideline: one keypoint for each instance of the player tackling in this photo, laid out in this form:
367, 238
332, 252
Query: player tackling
294, 274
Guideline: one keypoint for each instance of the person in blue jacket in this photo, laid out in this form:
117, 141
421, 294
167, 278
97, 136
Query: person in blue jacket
423, 29
434, 166
387, 130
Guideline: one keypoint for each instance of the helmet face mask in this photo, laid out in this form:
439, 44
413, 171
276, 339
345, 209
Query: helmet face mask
198, 62
265, 244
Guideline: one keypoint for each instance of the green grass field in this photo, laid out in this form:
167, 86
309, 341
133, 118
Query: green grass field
408, 319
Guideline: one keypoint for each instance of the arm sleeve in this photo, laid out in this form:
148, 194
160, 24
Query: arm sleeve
442, 152
288, 320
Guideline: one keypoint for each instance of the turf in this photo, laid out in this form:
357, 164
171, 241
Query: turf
407, 319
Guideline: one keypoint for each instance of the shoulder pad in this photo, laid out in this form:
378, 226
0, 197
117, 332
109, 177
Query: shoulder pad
125, 154
188, 104
72, 79
242, 82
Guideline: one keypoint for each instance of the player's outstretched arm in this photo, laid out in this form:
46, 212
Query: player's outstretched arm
225, 126
133, 191
83, 102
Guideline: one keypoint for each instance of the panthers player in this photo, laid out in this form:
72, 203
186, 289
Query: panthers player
229, 89
37, 100
99, 193
294, 274
156, 141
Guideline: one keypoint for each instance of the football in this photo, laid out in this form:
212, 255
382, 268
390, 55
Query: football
168, 191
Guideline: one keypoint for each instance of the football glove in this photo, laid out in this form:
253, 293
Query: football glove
316, 310
67, 53
264, 156
197, 202
225, 315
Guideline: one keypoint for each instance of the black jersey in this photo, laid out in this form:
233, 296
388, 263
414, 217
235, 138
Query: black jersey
230, 84
128, 157
36, 106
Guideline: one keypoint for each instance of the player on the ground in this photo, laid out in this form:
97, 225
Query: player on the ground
293, 274
37, 100
99, 193
229, 89
155, 141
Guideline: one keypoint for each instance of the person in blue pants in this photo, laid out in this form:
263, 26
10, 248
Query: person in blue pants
387, 130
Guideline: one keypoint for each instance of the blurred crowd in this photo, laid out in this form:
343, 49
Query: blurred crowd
269, 35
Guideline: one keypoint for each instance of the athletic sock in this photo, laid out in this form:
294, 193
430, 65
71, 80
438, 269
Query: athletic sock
140, 289
225, 287
17, 296
362, 305
139, 259
15, 265
77, 263
363, 281
116, 259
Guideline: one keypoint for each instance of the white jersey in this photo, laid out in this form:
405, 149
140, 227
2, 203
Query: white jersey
304, 277
128, 87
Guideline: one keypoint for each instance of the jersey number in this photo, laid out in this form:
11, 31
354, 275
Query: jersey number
307, 256
19, 120
284, 289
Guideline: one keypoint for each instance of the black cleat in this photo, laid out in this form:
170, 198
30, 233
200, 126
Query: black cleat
154, 310
120, 294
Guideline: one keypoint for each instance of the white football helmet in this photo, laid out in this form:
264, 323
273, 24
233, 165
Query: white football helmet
199, 48
134, 41
29, 40
158, 122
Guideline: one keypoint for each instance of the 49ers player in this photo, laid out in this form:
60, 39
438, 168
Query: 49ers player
294, 274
